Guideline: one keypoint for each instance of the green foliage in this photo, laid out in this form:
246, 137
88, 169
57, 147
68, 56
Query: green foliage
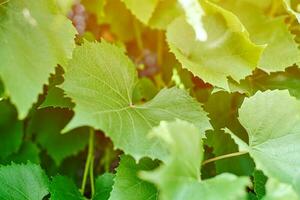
11, 132
23, 182
26, 26
179, 177
106, 101
259, 181
58, 145
128, 184
104, 184
152, 99
270, 130
63, 188
227, 51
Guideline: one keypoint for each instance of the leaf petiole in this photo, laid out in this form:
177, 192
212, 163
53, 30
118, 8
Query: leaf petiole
89, 164
224, 156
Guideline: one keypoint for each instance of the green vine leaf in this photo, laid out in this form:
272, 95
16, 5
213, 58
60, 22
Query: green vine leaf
101, 79
104, 184
281, 49
128, 184
259, 182
32, 44
62, 187
274, 133
179, 176
227, 51
23, 182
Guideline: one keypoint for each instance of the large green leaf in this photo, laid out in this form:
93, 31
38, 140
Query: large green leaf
129, 185
227, 51
281, 50
34, 38
272, 120
101, 79
62, 187
179, 176
23, 182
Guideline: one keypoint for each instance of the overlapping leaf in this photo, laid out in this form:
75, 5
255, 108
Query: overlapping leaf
128, 184
100, 79
103, 186
272, 122
227, 51
34, 39
281, 50
23, 182
179, 176
63, 188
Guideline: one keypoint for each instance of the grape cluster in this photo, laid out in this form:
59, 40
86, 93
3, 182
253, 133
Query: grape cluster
78, 16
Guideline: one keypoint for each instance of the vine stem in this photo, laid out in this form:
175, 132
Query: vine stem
224, 156
89, 164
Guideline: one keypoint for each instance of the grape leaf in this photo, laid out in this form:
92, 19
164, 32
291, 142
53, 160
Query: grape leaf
143, 11
100, 79
274, 133
281, 50
23, 182
11, 129
104, 184
128, 184
179, 176
56, 98
62, 187
25, 26
27, 152
227, 51
279, 191
259, 180
48, 123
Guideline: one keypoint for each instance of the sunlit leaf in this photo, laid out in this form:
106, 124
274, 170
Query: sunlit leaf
34, 38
